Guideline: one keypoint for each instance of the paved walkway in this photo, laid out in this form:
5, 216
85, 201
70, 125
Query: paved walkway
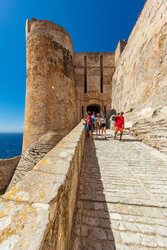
122, 197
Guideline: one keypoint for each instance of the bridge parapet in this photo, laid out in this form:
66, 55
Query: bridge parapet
37, 213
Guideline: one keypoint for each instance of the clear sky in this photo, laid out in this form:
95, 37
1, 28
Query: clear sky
94, 26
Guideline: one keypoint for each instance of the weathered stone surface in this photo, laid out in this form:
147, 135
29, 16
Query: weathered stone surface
33, 154
26, 189
50, 92
37, 213
140, 79
22, 225
7, 168
118, 52
152, 131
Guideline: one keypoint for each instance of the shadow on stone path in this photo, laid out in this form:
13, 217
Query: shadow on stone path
91, 226
122, 192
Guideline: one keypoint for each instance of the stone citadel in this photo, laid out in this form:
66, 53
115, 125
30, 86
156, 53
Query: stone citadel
71, 193
62, 85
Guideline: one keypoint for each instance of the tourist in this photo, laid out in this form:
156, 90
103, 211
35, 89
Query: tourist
98, 124
103, 125
119, 125
89, 125
93, 120
101, 113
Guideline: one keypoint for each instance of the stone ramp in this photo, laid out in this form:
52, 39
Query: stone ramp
122, 196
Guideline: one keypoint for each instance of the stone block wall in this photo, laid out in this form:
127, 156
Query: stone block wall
50, 91
140, 79
93, 65
98, 69
7, 168
37, 213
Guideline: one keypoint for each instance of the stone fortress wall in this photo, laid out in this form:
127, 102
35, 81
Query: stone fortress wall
140, 79
93, 81
37, 213
50, 91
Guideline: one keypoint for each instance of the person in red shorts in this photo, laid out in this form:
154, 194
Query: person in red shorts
119, 125
89, 125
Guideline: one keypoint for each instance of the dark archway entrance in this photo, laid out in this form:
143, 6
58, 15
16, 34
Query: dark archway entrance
93, 108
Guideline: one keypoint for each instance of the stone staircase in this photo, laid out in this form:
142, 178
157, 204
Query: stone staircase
122, 196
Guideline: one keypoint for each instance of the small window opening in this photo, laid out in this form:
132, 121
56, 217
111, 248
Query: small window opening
82, 112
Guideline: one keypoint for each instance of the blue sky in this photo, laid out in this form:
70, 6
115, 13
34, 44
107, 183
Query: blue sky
94, 26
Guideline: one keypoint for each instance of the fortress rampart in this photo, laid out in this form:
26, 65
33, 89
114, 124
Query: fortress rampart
50, 92
140, 76
140, 79
37, 213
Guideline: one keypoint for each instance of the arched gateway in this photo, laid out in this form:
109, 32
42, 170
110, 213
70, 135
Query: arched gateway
93, 108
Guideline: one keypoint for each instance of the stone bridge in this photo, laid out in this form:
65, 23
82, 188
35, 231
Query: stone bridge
100, 194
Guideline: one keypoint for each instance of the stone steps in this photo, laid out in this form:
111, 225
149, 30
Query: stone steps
122, 197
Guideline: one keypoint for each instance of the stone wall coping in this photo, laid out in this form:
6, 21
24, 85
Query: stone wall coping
25, 210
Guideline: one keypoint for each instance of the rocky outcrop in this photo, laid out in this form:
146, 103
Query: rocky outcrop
33, 154
7, 168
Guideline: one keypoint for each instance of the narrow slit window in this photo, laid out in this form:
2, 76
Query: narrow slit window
85, 74
82, 112
101, 74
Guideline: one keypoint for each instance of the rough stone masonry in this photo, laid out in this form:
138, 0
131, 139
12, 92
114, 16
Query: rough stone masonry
140, 81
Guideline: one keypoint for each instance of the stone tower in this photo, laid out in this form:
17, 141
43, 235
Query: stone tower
50, 90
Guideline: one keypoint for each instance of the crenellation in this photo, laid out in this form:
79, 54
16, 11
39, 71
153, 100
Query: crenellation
28, 27
118, 52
